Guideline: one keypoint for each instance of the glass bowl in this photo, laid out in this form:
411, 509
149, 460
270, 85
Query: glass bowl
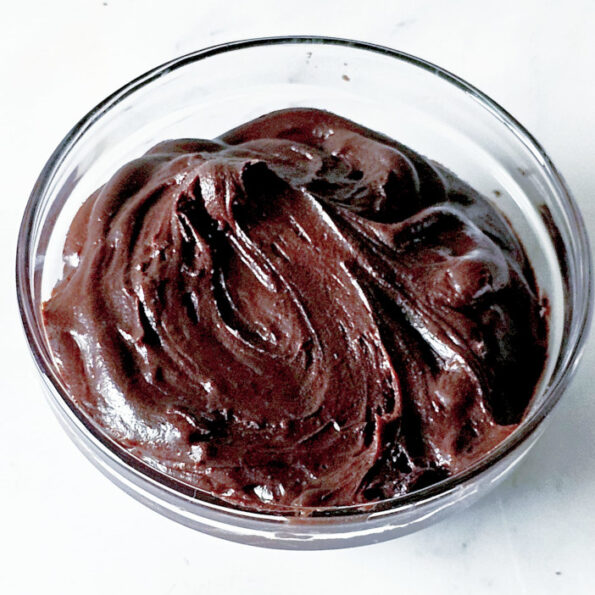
432, 111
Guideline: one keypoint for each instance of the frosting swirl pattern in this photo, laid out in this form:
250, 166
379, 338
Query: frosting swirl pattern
301, 312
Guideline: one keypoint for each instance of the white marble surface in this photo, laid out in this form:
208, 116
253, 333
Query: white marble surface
64, 528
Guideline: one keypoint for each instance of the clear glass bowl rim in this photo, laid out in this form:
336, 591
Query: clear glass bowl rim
580, 315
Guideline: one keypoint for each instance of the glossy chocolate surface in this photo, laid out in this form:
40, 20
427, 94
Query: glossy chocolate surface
301, 312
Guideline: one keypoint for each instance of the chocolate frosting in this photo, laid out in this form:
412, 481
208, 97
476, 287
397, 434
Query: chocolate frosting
301, 312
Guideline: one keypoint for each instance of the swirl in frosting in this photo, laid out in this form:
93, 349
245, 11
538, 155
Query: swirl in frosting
301, 312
